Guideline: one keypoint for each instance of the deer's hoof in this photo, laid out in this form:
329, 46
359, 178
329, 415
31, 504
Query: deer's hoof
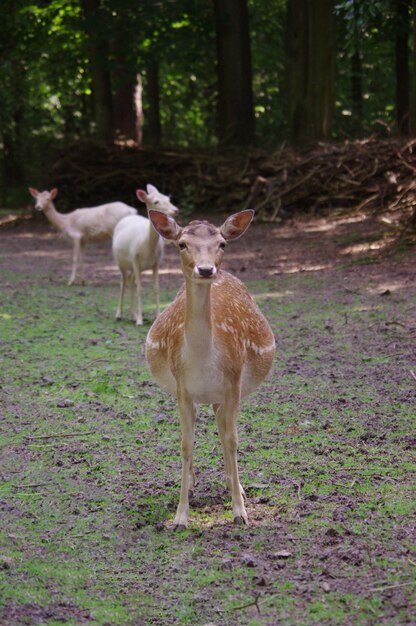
179, 527
239, 520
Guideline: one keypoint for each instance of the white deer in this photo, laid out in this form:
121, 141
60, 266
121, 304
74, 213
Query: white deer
211, 345
82, 225
138, 247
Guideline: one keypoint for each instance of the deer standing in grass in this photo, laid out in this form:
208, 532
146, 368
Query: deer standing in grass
82, 225
138, 247
211, 345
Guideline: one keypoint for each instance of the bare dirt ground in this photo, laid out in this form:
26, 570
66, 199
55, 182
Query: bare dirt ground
305, 245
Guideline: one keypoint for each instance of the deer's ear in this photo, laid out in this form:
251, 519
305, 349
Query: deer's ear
236, 225
54, 193
151, 189
33, 192
164, 225
142, 195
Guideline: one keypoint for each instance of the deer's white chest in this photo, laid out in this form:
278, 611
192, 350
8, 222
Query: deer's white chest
202, 377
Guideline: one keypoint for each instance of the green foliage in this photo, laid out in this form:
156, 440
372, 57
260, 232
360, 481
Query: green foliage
46, 88
267, 40
365, 28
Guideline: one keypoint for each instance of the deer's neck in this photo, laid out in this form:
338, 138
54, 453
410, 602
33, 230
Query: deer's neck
57, 219
198, 327
153, 237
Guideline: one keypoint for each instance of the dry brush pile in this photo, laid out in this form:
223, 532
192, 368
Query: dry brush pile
369, 174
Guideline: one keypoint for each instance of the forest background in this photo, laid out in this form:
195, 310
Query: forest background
197, 76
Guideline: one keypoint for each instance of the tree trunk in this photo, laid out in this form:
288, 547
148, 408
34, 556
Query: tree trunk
13, 169
412, 113
356, 73
127, 111
153, 126
357, 88
402, 66
297, 69
98, 53
310, 65
235, 96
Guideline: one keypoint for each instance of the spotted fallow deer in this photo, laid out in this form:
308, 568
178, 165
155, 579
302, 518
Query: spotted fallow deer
211, 345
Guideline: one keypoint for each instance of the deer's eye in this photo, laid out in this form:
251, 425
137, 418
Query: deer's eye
182, 246
222, 245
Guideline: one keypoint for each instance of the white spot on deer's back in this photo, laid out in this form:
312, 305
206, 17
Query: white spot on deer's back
227, 328
156, 345
251, 345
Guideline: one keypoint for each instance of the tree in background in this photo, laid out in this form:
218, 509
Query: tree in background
12, 97
267, 22
174, 51
402, 65
126, 81
364, 82
310, 65
69, 68
43, 87
356, 67
412, 114
98, 53
153, 129
235, 96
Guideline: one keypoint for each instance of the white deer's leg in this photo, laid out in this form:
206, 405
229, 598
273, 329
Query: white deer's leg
81, 260
156, 288
136, 269
130, 281
227, 425
75, 260
123, 280
187, 413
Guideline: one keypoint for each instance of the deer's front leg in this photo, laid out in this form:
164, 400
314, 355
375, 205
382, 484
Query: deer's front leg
81, 260
123, 282
137, 277
76, 254
187, 414
131, 282
226, 415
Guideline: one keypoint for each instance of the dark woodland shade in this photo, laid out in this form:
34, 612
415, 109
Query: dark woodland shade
235, 95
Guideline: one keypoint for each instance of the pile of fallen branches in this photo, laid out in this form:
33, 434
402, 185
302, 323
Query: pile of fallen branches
370, 174
88, 174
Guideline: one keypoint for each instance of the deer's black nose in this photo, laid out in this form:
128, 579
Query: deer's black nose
206, 271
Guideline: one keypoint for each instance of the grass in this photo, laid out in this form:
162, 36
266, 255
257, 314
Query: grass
90, 468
